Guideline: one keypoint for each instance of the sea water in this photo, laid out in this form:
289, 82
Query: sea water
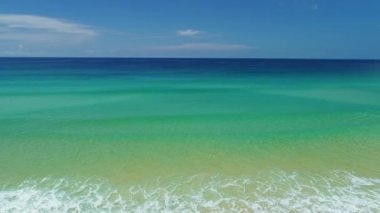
189, 135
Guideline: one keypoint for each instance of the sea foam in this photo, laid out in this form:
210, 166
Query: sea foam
267, 192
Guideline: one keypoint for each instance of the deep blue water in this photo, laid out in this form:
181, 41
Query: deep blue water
162, 66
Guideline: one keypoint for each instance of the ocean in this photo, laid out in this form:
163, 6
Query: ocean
189, 135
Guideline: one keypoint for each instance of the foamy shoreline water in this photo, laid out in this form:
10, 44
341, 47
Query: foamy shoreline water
274, 191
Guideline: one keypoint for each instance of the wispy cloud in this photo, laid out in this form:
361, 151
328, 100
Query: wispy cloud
315, 7
188, 32
204, 46
39, 28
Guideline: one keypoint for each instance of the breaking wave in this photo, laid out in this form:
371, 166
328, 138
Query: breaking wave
267, 192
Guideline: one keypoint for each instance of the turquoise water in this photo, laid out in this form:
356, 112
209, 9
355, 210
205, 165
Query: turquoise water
207, 135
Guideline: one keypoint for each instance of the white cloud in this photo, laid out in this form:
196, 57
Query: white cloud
204, 46
33, 28
188, 32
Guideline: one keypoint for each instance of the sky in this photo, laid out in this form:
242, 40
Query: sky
191, 28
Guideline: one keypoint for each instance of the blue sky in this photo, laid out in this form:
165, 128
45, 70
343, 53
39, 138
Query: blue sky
191, 28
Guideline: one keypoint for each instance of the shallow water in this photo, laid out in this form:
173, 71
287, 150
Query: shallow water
189, 135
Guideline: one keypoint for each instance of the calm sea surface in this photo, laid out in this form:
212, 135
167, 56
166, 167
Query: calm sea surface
185, 135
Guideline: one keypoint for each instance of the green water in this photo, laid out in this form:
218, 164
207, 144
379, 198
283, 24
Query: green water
306, 135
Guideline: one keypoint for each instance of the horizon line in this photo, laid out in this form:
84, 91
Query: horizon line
226, 58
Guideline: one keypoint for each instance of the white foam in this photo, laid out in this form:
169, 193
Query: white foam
268, 192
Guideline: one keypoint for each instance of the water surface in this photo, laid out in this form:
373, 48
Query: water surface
208, 135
